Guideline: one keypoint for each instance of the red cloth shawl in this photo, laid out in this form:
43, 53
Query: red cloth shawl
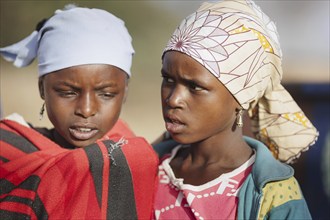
41, 180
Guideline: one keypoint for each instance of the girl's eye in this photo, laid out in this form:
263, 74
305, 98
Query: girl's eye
66, 94
195, 87
167, 79
107, 95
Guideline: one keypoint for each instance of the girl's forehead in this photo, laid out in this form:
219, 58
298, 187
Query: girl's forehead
181, 66
88, 73
175, 58
178, 60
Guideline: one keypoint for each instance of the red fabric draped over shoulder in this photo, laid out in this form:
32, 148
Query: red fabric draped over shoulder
110, 179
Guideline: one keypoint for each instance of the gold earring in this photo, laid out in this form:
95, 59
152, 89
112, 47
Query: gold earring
41, 113
239, 118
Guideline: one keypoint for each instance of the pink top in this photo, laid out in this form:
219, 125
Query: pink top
216, 199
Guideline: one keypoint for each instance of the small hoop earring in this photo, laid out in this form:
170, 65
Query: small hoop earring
239, 118
42, 110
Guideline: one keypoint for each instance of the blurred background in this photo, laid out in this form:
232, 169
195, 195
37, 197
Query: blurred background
303, 27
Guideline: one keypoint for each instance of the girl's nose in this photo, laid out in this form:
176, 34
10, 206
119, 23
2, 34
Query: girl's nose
86, 106
175, 97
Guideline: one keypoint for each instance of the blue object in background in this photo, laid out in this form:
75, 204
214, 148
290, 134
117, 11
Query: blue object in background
314, 100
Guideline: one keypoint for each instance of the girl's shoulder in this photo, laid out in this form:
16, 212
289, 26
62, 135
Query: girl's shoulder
278, 193
16, 118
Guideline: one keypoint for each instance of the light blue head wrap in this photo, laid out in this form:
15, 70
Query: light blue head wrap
75, 36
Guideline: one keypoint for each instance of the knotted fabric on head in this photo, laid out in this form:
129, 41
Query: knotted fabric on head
75, 36
239, 45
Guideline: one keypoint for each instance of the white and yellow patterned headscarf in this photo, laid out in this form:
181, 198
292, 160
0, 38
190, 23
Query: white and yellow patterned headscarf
239, 45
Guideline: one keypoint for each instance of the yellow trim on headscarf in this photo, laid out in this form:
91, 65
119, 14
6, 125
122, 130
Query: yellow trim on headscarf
272, 146
299, 118
263, 40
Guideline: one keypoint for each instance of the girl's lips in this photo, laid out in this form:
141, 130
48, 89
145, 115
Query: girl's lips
173, 125
82, 133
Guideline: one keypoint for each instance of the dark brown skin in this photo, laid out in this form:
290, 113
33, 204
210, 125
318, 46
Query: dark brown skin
200, 112
83, 102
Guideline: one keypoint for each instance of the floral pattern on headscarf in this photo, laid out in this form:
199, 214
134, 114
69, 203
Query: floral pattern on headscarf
239, 45
205, 47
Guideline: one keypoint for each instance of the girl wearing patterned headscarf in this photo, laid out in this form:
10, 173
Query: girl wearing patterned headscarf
91, 165
222, 60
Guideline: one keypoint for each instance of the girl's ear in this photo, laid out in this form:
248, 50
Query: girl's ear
41, 88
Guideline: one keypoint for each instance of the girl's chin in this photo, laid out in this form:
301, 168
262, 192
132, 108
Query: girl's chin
82, 144
181, 139
71, 142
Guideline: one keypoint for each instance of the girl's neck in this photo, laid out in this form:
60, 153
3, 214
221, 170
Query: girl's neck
227, 150
204, 161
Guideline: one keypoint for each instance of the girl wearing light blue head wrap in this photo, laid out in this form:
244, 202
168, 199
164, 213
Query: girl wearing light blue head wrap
75, 36
91, 165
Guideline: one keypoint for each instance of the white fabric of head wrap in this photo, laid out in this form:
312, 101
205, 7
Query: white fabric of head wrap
75, 36
239, 45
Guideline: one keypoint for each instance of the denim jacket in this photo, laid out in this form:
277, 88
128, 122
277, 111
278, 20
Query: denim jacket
270, 191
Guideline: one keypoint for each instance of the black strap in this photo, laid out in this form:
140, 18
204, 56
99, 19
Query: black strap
96, 162
121, 192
